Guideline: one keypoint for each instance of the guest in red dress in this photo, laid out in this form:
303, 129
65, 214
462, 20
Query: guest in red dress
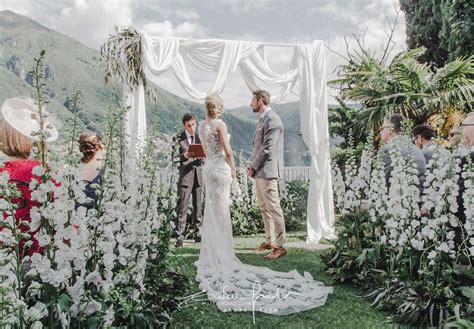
17, 137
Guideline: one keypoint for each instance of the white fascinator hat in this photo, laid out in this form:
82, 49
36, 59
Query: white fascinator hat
21, 115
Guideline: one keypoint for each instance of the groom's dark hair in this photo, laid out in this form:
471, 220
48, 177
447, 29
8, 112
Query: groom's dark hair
187, 117
262, 95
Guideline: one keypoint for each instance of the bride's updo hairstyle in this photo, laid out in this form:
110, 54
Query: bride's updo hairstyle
214, 105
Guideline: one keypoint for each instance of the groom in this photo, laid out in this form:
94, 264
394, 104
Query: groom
266, 166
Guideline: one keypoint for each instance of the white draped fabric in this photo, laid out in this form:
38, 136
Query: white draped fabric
161, 54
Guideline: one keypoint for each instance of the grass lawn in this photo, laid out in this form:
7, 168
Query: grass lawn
343, 309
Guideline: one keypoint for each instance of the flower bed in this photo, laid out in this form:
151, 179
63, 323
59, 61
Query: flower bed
412, 251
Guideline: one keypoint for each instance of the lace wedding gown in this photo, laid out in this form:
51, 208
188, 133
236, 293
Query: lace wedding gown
232, 285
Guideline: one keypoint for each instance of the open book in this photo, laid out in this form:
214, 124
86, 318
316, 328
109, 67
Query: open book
197, 150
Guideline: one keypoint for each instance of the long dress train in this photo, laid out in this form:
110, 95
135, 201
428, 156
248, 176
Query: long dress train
231, 284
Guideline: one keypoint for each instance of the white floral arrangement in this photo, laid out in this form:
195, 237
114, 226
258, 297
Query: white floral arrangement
409, 218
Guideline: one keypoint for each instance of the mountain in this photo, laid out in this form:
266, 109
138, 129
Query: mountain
70, 65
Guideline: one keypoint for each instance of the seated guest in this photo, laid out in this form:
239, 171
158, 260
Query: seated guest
93, 156
17, 137
423, 137
390, 134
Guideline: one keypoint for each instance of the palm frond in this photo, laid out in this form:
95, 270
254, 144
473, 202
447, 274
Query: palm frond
460, 97
456, 73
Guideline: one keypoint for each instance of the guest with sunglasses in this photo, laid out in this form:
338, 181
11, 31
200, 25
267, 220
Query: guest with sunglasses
390, 133
424, 138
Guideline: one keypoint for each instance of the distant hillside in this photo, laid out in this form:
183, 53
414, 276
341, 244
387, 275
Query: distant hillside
71, 65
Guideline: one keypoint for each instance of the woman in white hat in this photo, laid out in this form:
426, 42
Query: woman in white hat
18, 133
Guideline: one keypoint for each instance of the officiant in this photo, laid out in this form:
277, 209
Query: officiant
189, 182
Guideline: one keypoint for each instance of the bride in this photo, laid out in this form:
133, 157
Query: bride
232, 285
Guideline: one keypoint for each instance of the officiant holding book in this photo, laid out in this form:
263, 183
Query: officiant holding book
190, 179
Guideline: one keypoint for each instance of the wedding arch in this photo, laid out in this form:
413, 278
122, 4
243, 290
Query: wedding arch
138, 58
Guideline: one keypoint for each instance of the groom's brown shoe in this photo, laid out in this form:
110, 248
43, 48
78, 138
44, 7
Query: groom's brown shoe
265, 246
278, 252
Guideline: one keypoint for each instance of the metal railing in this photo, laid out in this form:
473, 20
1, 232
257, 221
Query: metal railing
290, 174
296, 173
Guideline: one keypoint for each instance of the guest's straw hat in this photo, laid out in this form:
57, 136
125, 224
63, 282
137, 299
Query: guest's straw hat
21, 116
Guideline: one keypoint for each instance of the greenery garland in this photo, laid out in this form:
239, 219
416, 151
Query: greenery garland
122, 57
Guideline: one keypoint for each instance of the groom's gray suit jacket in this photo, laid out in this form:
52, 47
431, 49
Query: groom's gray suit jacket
267, 153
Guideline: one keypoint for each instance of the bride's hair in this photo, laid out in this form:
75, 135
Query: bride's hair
214, 105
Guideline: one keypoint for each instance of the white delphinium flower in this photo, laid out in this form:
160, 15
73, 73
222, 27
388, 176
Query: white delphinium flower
236, 191
440, 204
6, 237
338, 187
91, 307
396, 206
403, 212
4, 177
443, 247
109, 317
365, 168
417, 243
467, 175
76, 291
38, 171
352, 195
115, 238
8, 287
37, 312
378, 197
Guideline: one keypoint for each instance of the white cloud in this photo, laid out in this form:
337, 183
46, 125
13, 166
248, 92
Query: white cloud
166, 28
245, 6
92, 21
187, 14
24, 7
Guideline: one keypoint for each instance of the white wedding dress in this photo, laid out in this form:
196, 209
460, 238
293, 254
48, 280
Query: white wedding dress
232, 285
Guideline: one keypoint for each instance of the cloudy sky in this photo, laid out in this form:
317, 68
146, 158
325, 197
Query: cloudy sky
278, 21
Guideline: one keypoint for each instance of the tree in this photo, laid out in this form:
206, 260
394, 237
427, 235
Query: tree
423, 25
404, 86
458, 28
443, 27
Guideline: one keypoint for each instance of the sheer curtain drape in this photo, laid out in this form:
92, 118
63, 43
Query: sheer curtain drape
225, 57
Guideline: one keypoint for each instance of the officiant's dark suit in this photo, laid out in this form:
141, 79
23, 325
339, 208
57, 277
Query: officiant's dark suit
190, 180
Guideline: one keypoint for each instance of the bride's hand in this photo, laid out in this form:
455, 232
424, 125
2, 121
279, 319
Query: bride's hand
233, 173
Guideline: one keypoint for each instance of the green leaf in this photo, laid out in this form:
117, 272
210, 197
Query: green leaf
63, 302
469, 293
